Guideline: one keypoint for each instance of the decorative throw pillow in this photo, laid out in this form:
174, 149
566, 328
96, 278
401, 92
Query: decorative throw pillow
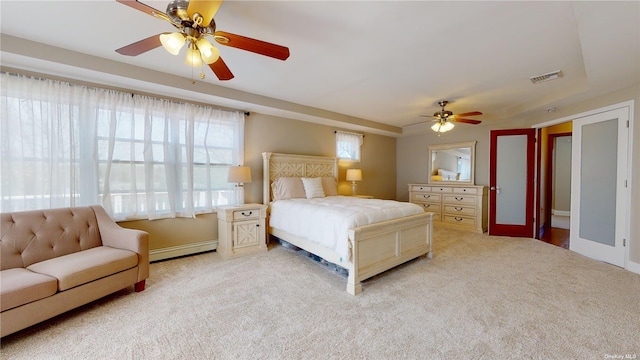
284, 188
329, 186
313, 187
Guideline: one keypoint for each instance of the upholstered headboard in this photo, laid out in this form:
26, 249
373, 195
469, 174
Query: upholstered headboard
277, 165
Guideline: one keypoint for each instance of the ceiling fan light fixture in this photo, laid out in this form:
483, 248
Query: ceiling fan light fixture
193, 58
209, 53
172, 42
442, 126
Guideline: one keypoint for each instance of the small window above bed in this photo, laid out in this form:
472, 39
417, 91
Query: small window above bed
348, 145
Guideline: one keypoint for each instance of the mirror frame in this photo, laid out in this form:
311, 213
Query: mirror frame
468, 144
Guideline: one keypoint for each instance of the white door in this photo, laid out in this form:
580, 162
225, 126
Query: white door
599, 193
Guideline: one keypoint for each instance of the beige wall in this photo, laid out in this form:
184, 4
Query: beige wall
264, 133
275, 134
413, 151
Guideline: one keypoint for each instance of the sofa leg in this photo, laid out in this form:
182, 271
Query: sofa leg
139, 286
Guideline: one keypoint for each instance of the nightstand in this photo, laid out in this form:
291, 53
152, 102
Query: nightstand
241, 230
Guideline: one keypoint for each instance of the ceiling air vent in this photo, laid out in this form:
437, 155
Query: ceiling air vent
546, 77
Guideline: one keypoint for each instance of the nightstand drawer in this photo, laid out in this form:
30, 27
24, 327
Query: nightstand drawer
246, 214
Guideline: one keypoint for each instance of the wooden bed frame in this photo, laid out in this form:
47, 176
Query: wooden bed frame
374, 248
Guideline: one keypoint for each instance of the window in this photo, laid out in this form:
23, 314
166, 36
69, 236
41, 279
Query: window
138, 156
348, 145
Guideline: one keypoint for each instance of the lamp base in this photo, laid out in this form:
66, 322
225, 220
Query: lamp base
353, 188
240, 194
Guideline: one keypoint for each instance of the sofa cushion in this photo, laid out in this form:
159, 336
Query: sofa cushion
20, 286
85, 266
29, 237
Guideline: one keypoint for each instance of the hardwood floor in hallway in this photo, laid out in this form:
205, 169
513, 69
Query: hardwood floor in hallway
556, 236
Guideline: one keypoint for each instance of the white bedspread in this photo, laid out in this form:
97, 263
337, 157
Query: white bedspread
326, 220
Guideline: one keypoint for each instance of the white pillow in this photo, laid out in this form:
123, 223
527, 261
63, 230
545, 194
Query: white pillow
313, 187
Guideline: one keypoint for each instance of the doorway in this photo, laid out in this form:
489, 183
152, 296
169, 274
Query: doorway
600, 187
557, 186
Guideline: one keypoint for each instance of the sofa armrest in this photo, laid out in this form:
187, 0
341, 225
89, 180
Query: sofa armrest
116, 236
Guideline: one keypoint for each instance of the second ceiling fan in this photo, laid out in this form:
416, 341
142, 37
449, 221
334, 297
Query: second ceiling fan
444, 118
194, 22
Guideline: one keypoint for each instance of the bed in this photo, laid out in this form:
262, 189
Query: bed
372, 248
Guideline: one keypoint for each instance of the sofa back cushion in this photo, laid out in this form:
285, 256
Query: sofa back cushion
29, 237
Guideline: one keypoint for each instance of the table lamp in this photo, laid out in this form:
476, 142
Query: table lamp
354, 175
239, 175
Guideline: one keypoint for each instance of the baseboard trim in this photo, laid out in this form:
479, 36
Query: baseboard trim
633, 267
182, 250
561, 212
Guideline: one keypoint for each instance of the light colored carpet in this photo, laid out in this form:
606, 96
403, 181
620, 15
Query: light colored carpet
480, 297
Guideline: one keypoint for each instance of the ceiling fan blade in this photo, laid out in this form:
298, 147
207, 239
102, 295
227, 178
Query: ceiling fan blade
205, 8
466, 121
473, 113
253, 45
141, 46
140, 6
221, 70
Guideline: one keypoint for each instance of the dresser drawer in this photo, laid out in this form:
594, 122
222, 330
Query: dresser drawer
460, 220
246, 214
465, 190
438, 189
432, 207
459, 199
420, 188
424, 197
460, 210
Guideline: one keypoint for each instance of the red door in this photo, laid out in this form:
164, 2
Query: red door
511, 180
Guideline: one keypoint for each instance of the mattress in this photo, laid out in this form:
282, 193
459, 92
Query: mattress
326, 220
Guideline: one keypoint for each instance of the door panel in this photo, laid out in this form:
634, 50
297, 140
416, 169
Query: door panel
511, 182
599, 195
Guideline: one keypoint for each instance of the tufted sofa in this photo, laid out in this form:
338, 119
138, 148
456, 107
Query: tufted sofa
58, 259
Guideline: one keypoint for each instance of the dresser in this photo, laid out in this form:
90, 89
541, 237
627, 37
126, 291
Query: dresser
462, 207
241, 230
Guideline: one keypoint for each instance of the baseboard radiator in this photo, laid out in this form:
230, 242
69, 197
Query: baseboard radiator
182, 250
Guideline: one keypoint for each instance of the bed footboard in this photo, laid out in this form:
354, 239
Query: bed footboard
379, 247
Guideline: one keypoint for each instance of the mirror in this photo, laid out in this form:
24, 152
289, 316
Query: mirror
452, 163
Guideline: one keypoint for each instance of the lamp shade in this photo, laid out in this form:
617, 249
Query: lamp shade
172, 42
354, 175
442, 126
193, 57
209, 53
239, 174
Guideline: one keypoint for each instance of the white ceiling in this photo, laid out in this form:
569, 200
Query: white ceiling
358, 64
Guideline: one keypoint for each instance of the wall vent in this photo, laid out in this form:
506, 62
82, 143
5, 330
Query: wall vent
546, 77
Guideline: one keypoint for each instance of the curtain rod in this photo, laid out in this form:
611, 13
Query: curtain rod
43, 76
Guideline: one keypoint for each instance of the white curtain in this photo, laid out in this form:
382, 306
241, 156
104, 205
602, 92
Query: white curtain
348, 145
140, 157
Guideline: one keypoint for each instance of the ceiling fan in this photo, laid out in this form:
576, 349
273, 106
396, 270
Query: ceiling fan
194, 22
444, 118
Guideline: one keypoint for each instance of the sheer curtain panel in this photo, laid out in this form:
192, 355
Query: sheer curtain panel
139, 156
